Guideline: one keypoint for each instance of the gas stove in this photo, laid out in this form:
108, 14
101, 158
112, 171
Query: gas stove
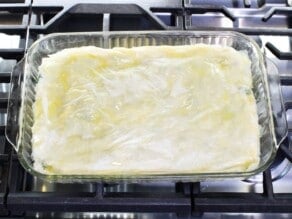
268, 195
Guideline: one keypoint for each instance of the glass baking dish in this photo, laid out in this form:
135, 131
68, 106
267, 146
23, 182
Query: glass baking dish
270, 109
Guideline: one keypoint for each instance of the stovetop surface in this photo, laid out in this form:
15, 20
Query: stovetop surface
267, 21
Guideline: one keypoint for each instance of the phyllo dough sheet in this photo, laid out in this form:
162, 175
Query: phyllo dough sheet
145, 110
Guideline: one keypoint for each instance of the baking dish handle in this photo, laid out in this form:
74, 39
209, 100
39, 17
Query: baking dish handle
277, 103
14, 103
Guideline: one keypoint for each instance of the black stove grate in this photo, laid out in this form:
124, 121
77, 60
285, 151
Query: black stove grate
23, 195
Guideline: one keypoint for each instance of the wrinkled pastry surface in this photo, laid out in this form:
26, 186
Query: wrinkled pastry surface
145, 110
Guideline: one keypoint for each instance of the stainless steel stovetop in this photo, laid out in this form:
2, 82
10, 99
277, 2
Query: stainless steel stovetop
269, 22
